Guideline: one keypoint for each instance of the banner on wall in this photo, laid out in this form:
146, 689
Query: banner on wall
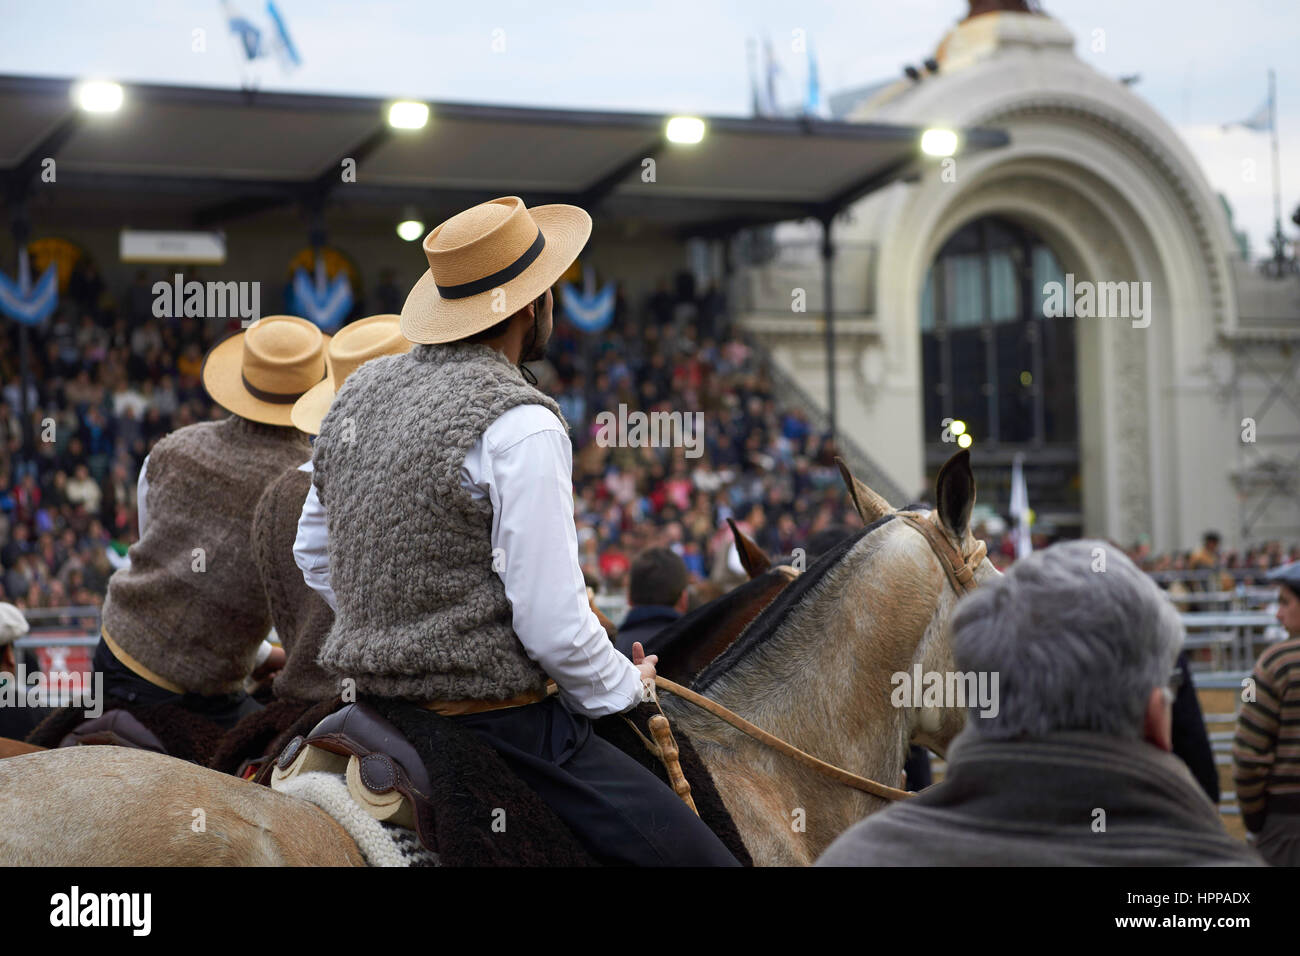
27, 302
321, 287
590, 309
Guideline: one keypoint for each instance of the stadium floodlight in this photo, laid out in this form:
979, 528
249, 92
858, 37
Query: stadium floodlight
406, 114
938, 142
98, 96
410, 229
685, 129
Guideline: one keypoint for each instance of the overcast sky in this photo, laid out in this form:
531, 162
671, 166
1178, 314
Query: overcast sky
1203, 63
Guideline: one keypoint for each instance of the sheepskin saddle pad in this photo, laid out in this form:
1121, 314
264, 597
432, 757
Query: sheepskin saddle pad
412, 769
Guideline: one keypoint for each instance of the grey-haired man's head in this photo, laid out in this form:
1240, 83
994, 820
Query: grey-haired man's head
1081, 640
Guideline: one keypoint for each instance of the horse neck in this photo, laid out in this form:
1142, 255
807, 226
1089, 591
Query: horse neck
822, 680
716, 631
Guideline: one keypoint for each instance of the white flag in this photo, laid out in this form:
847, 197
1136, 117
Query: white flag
1020, 508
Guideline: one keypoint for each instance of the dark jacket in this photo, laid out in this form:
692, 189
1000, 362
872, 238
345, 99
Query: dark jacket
1069, 799
1190, 739
642, 623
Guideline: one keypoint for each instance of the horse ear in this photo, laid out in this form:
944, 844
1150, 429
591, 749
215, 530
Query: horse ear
752, 557
955, 492
870, 505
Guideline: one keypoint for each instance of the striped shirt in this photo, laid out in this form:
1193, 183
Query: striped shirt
1266, 750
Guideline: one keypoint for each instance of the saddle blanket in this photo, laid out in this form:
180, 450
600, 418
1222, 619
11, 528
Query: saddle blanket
381, 844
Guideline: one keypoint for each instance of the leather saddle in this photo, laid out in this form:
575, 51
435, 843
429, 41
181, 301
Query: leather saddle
385, 774
116, 727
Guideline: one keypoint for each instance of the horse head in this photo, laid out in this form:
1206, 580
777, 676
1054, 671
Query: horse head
946, 561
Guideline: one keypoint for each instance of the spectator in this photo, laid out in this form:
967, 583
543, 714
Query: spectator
656, 596
1266, 750
84, 490
1072, 765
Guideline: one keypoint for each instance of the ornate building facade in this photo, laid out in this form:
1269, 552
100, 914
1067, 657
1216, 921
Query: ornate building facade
1129, 407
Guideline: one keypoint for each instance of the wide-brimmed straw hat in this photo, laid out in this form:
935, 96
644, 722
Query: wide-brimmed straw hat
352, 346
487, 263
260, 372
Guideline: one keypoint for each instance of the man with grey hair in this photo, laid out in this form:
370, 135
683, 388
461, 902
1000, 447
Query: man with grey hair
1073, 767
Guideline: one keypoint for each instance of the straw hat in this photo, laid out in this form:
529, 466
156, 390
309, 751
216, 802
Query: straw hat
352, 346
13, 624
497, 245
260, 372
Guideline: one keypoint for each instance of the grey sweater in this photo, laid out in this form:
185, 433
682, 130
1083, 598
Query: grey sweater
1070, 799
191, 606
421, 613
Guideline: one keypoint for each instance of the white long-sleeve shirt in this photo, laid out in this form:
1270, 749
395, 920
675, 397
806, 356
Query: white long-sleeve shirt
523, 464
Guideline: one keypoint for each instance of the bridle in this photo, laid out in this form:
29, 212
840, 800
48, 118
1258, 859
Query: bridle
958, 568
960, 571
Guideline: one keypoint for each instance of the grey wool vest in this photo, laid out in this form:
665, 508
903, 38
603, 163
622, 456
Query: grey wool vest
421, 612
191, 607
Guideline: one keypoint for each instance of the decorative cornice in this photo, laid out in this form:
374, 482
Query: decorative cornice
852, 328
1169, 168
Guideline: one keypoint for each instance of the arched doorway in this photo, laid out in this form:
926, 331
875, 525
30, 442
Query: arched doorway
991, 360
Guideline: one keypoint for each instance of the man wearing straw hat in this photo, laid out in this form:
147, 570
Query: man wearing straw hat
184, 622
452, 559
302, 618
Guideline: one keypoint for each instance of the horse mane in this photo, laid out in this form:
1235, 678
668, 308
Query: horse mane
771, 618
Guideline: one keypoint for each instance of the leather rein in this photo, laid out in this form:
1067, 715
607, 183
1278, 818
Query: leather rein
960, 572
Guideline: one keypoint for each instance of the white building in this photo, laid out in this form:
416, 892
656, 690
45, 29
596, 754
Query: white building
1132, 425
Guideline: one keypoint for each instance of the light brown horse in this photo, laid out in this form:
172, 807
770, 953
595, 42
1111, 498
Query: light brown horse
814, 668
692, 642
117, 806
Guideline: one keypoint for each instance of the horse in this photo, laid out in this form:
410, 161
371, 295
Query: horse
119, 806
814, 667
692, 642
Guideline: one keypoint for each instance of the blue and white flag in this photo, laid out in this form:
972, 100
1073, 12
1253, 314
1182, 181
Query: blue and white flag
277, 42
589, 310
319, 300
813, 103
284, 46
25, 303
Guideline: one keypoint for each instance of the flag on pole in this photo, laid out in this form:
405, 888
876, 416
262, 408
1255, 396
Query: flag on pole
755, 98
813, 104
1261, 121
772, 107
1020, 508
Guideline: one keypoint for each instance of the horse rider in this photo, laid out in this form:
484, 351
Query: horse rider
301, 616
1266, 749
446, 484
15, 722
184, 622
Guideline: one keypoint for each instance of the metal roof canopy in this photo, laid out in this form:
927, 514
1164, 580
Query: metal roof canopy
216, 155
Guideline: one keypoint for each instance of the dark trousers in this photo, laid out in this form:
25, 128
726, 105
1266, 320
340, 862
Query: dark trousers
619, 811
120, 681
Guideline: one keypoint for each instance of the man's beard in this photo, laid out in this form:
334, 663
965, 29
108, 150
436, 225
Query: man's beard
533, 350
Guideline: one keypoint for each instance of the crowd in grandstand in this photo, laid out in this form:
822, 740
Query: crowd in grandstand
108, 379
